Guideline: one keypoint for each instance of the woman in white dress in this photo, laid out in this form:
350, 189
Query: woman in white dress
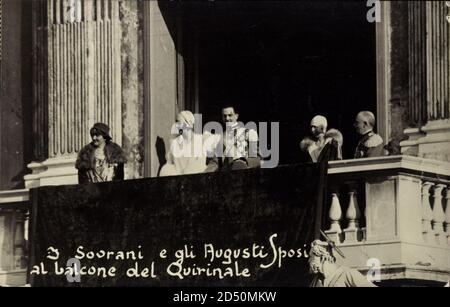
188, 150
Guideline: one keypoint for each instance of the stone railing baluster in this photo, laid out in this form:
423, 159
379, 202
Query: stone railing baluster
438, 214
353, 214
19, 240
335, 216
427, 213
447, 214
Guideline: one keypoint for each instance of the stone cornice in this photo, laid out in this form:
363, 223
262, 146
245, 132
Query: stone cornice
406, 163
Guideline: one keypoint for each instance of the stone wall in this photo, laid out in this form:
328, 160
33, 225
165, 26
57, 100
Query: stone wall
132, 86
15, 93
399, 100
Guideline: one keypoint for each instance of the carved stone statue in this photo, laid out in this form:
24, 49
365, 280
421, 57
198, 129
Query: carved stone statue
327, 273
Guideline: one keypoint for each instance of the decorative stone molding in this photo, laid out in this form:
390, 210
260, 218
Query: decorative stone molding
436, 143
14, 196
55, 171
411, 145
410, 163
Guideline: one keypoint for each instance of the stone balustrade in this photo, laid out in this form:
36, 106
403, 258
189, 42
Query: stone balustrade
394, 209
14, 221
434, 204
435, 222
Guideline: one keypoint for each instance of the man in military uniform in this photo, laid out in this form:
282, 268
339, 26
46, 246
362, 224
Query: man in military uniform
239, 145
370, 144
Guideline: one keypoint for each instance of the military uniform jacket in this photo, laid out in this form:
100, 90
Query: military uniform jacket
370, 145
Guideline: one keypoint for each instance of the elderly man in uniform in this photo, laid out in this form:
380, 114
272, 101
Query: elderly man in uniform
370, 143
101, 160
324, 145
240, 145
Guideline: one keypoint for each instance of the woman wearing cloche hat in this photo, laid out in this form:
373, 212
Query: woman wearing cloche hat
101, 160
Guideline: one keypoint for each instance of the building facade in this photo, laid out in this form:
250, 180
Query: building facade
66, 64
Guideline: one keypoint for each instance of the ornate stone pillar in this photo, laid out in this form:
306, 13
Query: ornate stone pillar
417, 80
77, 82
417, 63
429, 81
438, 64
436, 143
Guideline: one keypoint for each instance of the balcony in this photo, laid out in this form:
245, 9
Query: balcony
14, 217
393, 213
389, 215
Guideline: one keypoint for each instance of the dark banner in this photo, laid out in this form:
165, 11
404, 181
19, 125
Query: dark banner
242, 228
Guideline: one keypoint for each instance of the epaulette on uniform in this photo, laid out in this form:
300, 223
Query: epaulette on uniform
373, 141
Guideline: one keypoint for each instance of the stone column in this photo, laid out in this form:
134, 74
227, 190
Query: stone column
161, 81
417, 63
429, 81
132, 86
436, 143
383, 37
77, 82
438, 64
417, 79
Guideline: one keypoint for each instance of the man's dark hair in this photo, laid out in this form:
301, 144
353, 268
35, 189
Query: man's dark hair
228, 107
